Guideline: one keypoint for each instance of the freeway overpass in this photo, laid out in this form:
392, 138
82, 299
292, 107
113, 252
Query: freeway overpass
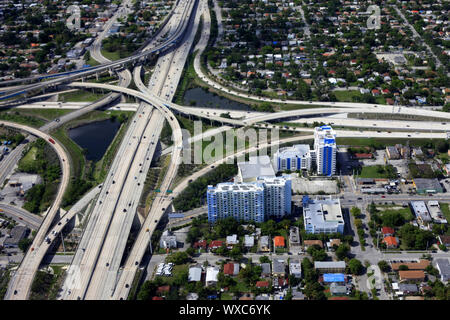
32, 221
22, 279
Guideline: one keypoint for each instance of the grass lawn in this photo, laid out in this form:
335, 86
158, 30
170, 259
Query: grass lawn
111, 55
80, 96
47, 114
75, 152
445, 210
372, 172
178, 269
346, 96
18, 117
29, 157
92, 62
226, 296
405, 212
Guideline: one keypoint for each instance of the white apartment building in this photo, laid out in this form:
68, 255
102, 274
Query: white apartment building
325, 150
296, 157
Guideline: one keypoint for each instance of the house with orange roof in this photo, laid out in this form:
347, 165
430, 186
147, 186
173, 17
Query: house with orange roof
279, 242
412, 275
391, 242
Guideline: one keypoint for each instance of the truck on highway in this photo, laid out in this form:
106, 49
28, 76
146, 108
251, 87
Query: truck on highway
51, 140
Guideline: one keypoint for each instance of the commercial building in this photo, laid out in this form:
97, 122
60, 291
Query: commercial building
255, 168
423, 185
420, 265
421, 211
435, 212
392, 153
330, 266
17, 233
295, 268
323, 216
325, 150
168, 240
296, 157
252, 201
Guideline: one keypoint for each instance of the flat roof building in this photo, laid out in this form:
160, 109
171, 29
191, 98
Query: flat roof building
256, 167
325, 150
421, 211
435, 212
423, 185
295, 268
392, 153
330, 266
17, 233
250, 201
296, 157
323, 216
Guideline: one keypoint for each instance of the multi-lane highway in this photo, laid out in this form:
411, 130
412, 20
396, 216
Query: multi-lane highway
21, 281
32, 221
94, 270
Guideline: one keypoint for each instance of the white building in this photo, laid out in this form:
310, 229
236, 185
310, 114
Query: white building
211, 275
253, 201
254, 168
297, 157
195, 273
243, 201
168, 240
435, 212
421, 211
325, 150
323, 216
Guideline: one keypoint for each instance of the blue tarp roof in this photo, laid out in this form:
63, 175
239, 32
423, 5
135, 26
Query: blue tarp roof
333, 277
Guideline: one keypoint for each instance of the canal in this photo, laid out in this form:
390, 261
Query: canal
206, 99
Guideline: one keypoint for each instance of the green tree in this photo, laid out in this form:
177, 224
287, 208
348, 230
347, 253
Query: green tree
383, 265
180, 257
24, 244
355, 211
342, 251
355, 266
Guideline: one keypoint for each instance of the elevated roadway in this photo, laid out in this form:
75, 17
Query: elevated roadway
20, 283
32, 221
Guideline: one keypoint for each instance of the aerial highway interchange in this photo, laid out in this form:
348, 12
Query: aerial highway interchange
97, 270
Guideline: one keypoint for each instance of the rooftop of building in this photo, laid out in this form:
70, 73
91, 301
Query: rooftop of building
256, 167
323, 212
238, 187
298, 150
